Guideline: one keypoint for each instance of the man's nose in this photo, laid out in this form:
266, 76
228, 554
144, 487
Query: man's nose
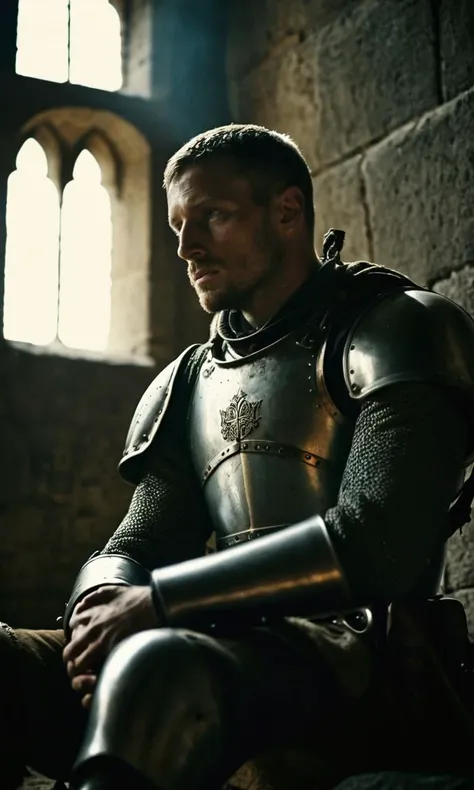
190, 242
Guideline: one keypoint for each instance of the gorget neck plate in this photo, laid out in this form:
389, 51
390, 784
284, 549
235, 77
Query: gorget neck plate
267, 443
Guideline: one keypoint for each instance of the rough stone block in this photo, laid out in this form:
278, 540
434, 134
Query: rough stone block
278, 23
348, 83
375, 69
467, 599
339, 203
460, 560
459, 287
280, 95
457, 46
253, 35
420, 193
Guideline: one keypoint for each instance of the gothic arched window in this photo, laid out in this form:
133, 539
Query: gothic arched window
58, 263
75, 40
78, 235
32, 248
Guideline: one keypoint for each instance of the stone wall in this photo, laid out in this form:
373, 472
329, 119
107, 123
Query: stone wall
379, 94
64, 416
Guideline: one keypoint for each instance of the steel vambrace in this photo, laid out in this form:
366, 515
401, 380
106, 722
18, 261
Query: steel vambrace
104, 569
292, 572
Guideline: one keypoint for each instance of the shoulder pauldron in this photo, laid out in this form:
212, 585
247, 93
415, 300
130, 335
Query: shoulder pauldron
410, 335
149, 414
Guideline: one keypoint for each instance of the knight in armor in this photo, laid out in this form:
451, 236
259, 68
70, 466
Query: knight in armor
319, 441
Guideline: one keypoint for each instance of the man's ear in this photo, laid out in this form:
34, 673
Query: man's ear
291, 205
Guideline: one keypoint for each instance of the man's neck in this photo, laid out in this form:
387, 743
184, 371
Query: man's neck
268, 300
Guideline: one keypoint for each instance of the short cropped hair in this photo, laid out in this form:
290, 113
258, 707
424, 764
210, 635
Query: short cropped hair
270, 160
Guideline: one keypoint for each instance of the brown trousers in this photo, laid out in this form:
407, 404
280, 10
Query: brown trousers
41, 717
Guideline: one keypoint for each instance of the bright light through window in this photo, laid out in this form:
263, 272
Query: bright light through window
58, 263
95, 45
32, 246
86, 259
42, 39
79, 40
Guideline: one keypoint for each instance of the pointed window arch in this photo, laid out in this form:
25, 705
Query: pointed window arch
86, 258
79, 235
32, 248
75, 40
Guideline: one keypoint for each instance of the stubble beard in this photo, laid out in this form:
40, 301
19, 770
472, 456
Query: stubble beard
236, 296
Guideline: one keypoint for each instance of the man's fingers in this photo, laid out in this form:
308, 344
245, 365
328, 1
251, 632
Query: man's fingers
81, 638
84, 684
73, 671
89, 660
86, 701
101, 595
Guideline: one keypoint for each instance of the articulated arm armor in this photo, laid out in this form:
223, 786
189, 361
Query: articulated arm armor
294, 571
410, 337
270, 448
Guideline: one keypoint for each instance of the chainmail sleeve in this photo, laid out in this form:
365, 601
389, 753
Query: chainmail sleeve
167, 521
401, 475
162, 526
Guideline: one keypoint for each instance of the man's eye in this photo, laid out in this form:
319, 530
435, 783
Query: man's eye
217, 213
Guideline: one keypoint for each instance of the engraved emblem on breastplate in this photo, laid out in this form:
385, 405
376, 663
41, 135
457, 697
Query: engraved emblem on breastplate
240, 418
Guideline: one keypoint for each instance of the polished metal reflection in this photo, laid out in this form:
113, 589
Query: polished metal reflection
267, 442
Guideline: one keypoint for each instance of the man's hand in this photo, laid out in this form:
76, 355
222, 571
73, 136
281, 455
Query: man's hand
100, 621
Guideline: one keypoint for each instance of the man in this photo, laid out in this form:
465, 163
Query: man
321, 434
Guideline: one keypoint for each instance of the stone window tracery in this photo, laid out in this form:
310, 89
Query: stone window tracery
78, 235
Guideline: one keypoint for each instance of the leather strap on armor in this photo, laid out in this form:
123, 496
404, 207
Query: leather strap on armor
104, 569
292, 572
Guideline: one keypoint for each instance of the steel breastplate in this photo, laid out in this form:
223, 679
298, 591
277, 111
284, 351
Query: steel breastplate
266, 441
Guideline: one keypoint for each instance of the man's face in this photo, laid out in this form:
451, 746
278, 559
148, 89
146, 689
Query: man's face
230, 244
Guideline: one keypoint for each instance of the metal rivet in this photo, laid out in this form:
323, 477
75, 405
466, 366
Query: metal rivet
258, 447
355, 387
267, 447
145, 437
352, 348
308, 456
351, 372
244, 446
